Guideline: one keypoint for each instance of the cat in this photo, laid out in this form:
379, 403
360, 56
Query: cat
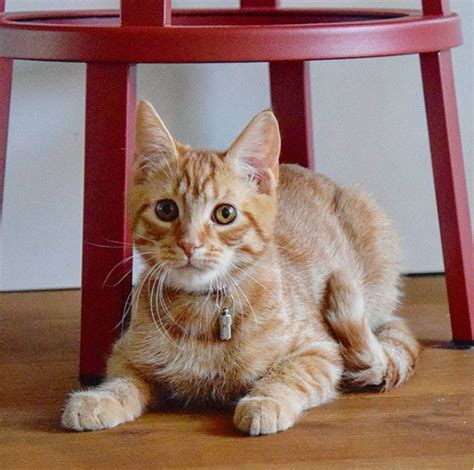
308, 271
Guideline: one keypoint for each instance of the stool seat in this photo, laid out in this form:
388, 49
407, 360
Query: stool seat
240, 35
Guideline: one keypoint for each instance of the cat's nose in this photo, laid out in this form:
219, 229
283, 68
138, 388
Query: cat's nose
188, 248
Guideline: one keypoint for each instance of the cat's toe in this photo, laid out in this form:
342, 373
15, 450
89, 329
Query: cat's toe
93, 410
262, 415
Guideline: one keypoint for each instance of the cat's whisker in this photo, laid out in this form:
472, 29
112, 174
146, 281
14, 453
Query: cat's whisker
240, 310
133, 298
255, 318
153, 302
156, 296
214, 288
236, 286
125, 312
229, 280
118, 242
206, 298
162, 299
202, 307
118, 265
116, 246
155, 315
127, 274
144, 238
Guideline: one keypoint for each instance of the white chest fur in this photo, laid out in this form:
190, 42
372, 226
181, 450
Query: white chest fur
192, 369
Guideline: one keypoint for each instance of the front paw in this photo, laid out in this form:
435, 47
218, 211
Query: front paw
92, 410
262, 415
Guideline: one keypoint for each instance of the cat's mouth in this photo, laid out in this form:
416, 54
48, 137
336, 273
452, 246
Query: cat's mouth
192, 277
191, 266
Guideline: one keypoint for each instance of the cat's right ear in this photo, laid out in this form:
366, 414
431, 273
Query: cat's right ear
153, 142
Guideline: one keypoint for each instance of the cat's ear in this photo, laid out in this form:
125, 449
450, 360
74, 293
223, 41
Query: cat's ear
256, 150
153, 142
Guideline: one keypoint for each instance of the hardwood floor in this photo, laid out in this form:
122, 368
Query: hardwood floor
427, 423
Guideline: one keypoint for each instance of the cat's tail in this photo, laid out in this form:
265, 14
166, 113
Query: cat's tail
383, 358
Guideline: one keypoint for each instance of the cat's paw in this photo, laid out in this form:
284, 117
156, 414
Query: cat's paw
262, 415
92, 410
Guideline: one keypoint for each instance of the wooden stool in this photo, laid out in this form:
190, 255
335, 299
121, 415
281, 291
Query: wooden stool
112, 42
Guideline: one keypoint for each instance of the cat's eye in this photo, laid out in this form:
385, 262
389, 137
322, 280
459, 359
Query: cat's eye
224, 214
167, 210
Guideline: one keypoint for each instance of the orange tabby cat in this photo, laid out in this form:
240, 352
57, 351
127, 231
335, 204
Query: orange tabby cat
309, 272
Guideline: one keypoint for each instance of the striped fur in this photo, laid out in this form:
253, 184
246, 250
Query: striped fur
312, 268
383, 358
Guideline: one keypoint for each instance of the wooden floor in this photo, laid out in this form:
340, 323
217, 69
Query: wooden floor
428, 423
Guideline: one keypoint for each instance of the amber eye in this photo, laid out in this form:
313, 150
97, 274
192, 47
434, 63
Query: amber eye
167, 210
224, 214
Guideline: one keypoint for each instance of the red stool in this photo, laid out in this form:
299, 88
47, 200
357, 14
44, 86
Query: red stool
111, 42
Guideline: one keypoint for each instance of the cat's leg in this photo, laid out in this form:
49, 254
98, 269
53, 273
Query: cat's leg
299, 383
122, 397
384, 358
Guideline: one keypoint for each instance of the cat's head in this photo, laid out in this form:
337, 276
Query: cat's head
199, 215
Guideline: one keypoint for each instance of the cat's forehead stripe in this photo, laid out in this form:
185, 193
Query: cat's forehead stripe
198, 175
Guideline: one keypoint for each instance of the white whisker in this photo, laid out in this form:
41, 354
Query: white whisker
152, 301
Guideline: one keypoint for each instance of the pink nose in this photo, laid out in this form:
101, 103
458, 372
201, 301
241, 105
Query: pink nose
188, 248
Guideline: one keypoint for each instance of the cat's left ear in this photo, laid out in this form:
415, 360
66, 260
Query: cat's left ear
256, 150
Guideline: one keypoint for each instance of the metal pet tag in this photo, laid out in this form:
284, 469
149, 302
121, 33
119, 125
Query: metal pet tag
225, 324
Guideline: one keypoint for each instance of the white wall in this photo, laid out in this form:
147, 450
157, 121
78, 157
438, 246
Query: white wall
369, 129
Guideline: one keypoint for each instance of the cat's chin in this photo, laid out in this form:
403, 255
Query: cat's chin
192, 279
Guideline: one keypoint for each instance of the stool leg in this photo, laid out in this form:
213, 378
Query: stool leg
291, 103
451, 191
6, 68
110, 108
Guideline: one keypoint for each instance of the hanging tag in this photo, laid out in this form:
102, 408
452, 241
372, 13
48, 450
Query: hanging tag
225, 323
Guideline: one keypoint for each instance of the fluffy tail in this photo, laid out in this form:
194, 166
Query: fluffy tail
384, 358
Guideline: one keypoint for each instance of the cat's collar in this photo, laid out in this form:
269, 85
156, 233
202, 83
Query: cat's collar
224, 304
214, 293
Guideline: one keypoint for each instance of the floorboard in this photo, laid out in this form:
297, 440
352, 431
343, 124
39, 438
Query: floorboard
427, 423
